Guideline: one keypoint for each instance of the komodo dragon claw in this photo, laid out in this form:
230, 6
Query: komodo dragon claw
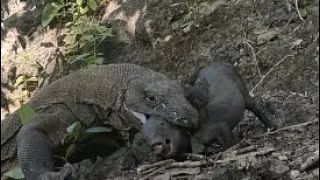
66, 173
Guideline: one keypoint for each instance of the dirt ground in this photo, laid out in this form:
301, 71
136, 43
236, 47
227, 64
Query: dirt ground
273, 43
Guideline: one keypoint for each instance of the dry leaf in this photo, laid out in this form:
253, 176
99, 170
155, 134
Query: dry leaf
263, 38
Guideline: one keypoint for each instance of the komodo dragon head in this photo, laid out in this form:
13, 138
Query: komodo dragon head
163, 98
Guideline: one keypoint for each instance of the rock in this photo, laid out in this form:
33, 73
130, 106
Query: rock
263, 38
207, 8
283, 158
294, 174
187, 29
280, 169
219, 174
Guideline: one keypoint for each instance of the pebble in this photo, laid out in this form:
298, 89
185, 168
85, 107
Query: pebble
294, 174
282, 158
280, 169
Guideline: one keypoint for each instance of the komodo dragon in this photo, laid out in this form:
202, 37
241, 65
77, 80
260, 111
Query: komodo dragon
122, 95
221, 97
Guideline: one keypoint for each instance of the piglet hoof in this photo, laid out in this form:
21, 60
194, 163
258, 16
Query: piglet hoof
66, 173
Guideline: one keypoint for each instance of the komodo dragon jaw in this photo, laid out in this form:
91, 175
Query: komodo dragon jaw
161, 98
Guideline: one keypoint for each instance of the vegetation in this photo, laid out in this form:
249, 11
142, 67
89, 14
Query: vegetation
84, 31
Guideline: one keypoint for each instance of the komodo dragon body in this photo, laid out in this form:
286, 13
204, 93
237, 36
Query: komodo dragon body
122, 95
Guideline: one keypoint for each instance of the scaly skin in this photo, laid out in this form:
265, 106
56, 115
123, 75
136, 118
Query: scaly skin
123, 95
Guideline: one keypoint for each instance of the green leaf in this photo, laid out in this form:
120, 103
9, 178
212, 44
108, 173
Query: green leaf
92, 4
99, 60
83, 10
19, 81
70, 150
15, 173
79, 58
33, 79
98, 130
197, 147
68, 24
79, 2
49, 13
74, 129
26, 114
92, 65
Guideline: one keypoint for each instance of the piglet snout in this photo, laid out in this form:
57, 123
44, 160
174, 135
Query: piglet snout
161, 148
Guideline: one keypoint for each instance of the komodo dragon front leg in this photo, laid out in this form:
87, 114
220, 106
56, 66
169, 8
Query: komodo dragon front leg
37, 140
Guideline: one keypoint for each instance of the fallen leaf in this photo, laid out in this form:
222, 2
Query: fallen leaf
263, 38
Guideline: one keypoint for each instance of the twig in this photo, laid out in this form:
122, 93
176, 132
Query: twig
185, 164
191, 164
295, 126
297, 8
286, 25
148, 171
267, 74
292, 127
288, 5
246, 150
193, 156
310, 162
254, 56
153, 173
254, 154
157, 164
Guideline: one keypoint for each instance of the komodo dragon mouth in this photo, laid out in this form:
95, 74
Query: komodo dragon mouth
143, 117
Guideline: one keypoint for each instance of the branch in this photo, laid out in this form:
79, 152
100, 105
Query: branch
254, 56
268, 73
161, 166
297, 8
